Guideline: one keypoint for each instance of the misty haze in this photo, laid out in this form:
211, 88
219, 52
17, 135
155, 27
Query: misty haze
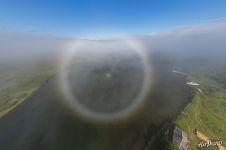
160, 90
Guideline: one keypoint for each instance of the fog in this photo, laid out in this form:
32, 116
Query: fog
121, 71
16, 46
44, 120
206, 41
201, 41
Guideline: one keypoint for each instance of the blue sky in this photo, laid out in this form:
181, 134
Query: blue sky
106, 17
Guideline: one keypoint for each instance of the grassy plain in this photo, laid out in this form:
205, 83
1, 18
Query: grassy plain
207, 111
18, 81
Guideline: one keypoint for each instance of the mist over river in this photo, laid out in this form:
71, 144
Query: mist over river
45, 121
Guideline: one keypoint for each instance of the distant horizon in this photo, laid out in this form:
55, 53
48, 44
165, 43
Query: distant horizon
115, 35
182, 40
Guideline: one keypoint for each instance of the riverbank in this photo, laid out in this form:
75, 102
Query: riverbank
19, 81
206, 112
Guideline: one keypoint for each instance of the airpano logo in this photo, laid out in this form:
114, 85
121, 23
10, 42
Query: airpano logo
209, 143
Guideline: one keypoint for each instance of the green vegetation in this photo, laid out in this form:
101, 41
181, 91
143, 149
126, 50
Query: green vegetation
166, 141
18, 81
207, 111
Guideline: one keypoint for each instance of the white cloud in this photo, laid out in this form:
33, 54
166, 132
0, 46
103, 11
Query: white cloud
207, 40
16, 45
204, 40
